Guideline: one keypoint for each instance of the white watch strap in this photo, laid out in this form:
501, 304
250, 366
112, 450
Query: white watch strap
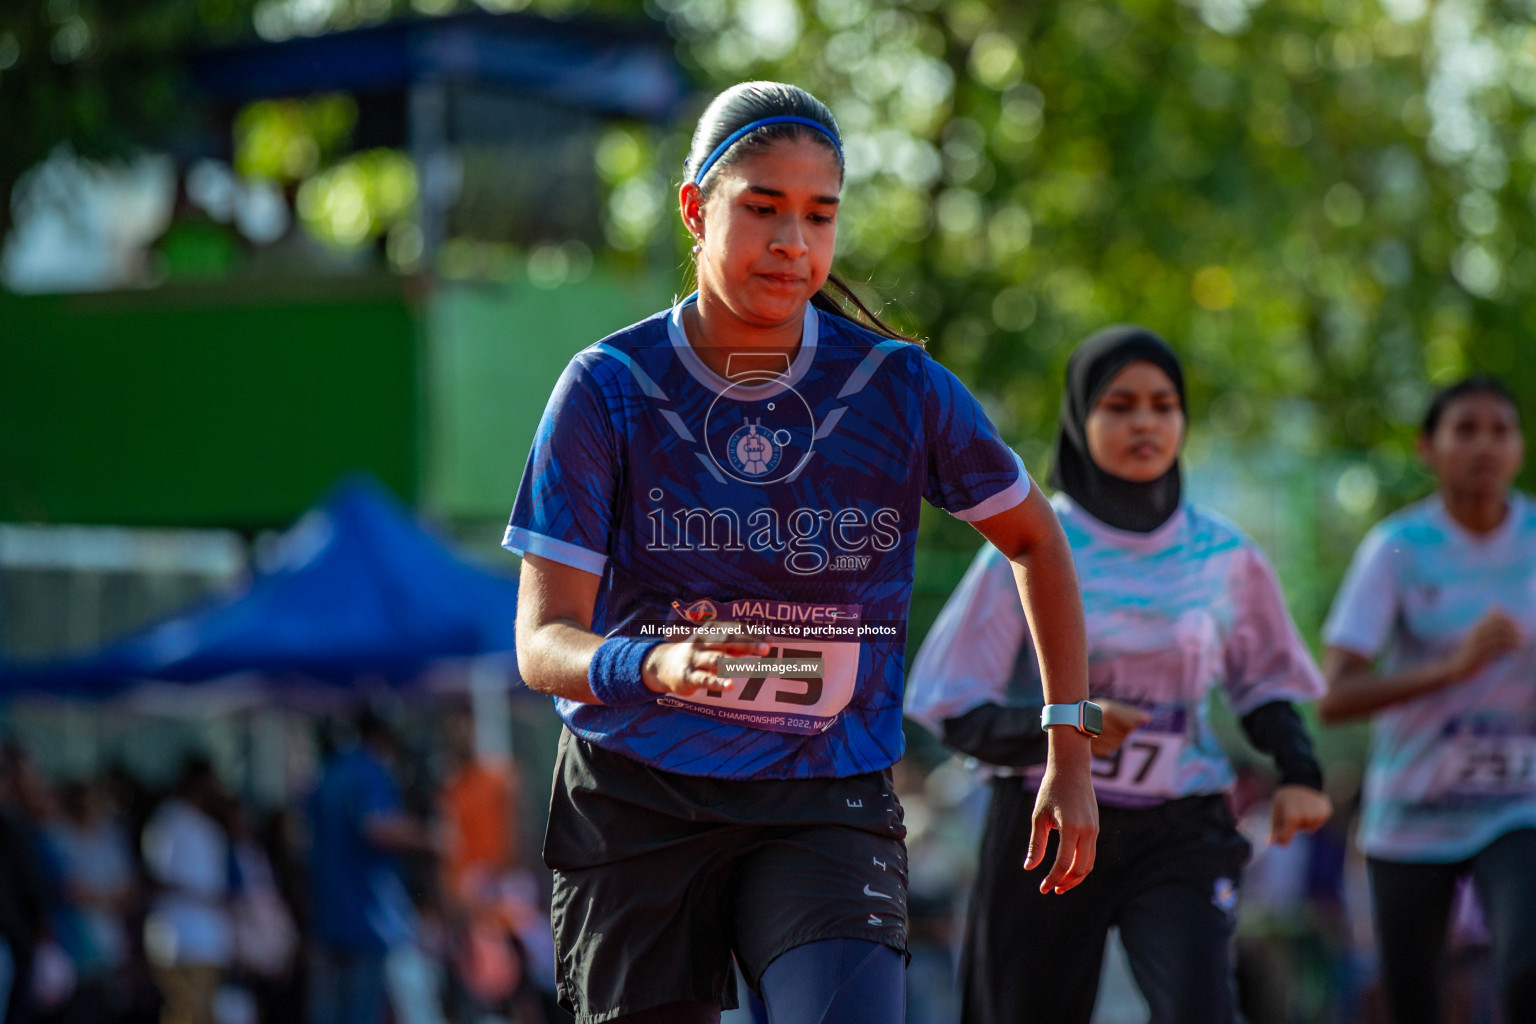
1060, 714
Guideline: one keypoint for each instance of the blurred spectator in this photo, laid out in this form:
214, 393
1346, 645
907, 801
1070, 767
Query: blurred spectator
504, 947
1272, 917
22, 916
132, 799
64, 944
99, 876
480, 814
266, 937
940, 869
358, 900
1299, 956
99, 873
189, 935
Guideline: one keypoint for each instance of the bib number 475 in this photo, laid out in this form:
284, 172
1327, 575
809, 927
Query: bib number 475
805, 698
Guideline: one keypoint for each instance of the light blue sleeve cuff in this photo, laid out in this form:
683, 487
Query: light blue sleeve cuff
1002, 501
525, 542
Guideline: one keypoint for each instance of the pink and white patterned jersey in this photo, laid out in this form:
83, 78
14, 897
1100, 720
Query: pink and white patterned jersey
1171, 614
1452, 770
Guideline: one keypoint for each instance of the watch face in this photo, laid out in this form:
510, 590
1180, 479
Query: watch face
1093, 718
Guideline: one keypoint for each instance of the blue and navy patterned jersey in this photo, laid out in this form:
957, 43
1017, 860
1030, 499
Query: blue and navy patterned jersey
785, 499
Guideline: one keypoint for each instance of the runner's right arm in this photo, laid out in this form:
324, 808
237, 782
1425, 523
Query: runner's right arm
1358, 627
560, 526
555, 642
1355, 689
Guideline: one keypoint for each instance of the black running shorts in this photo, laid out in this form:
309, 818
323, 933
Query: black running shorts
660, 878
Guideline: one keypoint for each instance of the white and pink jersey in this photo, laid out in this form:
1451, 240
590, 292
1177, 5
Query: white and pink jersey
1171, 614
1452, 770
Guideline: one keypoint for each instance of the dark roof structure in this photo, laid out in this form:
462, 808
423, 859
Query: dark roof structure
613, 69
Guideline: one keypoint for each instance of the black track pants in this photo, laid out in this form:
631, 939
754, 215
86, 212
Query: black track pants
1167, 876
1412, 907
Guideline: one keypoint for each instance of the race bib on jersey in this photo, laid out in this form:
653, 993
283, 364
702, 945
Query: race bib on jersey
1146, 767
804, 681
1481, 759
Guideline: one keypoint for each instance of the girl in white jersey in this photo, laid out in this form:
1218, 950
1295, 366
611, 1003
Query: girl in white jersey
754, 456
1178, 602
1430, 636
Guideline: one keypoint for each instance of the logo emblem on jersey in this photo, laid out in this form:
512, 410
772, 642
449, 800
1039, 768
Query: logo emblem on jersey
759, 430
699, 611
755, 452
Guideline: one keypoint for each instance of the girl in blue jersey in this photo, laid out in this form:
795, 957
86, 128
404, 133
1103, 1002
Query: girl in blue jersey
1444, 594
717, 524
1178, 602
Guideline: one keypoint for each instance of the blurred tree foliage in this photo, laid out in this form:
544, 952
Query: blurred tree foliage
100, 77
1323, 203
1314, 199
1326, 205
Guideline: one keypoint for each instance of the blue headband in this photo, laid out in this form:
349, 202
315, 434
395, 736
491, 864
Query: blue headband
742, 132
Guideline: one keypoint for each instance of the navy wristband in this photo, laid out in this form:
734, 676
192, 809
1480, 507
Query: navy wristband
616, 674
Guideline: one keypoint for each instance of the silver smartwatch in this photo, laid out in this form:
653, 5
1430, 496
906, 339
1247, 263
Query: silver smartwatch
1084, 716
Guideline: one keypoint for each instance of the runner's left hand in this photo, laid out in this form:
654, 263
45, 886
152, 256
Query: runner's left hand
1297, 809
1066, 803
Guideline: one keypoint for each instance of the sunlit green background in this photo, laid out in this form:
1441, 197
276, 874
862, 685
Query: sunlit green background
1324, 204
1327, 206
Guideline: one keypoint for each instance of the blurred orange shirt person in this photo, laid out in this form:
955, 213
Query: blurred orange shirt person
480, 814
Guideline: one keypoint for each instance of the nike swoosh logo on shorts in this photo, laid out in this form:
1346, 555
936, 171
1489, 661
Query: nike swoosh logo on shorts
870, 892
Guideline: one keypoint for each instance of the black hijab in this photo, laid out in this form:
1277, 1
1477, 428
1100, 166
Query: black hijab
1121, 503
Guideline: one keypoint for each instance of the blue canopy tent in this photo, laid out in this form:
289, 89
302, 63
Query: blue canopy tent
356, 593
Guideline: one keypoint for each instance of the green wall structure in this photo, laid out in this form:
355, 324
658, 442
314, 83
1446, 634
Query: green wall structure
495, 354
238, 404
232, 405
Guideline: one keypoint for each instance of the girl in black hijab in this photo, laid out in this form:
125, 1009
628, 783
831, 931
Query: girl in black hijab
1178, 602
1139, 506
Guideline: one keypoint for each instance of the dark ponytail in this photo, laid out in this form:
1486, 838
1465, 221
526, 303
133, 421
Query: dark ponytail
743, 104
838, 299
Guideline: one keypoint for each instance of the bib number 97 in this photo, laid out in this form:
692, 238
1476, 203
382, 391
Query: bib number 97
1132, 763
1145, 766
